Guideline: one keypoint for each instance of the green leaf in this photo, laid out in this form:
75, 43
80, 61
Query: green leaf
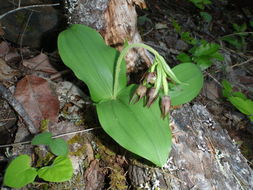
251, 23
227, 91
206, 49
138, 129
234, 41
244, 106
239, 94
217, 56
227, 88
183, 57
59, 147
206, 16
203, 62
19, 173
240, 28
85, 52
192, 81
43, 138
61, 170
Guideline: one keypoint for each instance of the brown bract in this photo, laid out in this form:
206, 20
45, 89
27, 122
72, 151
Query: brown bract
38, 99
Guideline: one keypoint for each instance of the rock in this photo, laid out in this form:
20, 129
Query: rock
36, 27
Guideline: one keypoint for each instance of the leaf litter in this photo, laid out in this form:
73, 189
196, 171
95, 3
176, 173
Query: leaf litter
38, 99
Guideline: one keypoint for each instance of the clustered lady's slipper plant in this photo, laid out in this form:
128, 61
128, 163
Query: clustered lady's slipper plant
120, 108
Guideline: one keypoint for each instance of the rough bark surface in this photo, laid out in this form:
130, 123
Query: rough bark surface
116, 20
203, 157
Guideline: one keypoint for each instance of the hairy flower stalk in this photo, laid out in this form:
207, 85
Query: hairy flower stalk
156, 79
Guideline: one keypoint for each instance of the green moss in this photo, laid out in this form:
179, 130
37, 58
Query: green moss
80, 140
43, 159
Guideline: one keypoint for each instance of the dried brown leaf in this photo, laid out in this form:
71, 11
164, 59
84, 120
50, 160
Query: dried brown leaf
38, 99
6, 72
40, 63
12, 56
4, 48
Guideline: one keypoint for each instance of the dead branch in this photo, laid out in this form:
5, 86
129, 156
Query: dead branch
27, 7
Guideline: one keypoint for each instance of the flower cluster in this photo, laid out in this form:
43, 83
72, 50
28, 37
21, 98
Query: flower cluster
154, 80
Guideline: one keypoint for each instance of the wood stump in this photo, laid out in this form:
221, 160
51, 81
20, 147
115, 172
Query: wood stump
203, 154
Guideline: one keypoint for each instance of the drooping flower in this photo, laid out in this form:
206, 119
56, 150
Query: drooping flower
151, 96
165, 106
139, 93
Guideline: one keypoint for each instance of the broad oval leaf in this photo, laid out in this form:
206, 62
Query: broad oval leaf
206, 49
192, 81
59, 147
43, 138
61, 170
85, 52
19, 173
244, 106
138, 129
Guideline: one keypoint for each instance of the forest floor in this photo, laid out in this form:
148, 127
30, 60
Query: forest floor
171, 27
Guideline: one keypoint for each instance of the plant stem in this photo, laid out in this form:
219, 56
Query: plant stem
161, 63
120, 59
238, 33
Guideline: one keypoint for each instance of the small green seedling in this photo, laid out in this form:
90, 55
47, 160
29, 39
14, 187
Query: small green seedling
238, 99
19, 172
201, 3
136, 127
203, 55
238, 38
58, 146
206, 16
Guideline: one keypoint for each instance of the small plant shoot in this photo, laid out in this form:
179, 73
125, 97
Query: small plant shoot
202, 54
19, 172
135, 116
238, 99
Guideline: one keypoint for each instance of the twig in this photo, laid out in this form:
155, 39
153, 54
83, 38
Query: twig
28, 7
7, 95
56, 136
238, 33
239, 64
22, 35
215, 80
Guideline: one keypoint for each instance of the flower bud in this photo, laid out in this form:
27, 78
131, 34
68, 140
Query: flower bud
151, 96
151, 78
139, 93
165, 106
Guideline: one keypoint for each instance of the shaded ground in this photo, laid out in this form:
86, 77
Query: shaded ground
157, 30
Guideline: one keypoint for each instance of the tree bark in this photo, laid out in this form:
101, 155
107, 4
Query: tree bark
116, 20
203, 155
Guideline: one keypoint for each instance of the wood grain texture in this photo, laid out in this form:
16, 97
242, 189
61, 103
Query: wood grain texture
203, 157
116, 20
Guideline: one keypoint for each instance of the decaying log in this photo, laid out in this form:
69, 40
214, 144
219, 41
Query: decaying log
116, 20
203, 157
